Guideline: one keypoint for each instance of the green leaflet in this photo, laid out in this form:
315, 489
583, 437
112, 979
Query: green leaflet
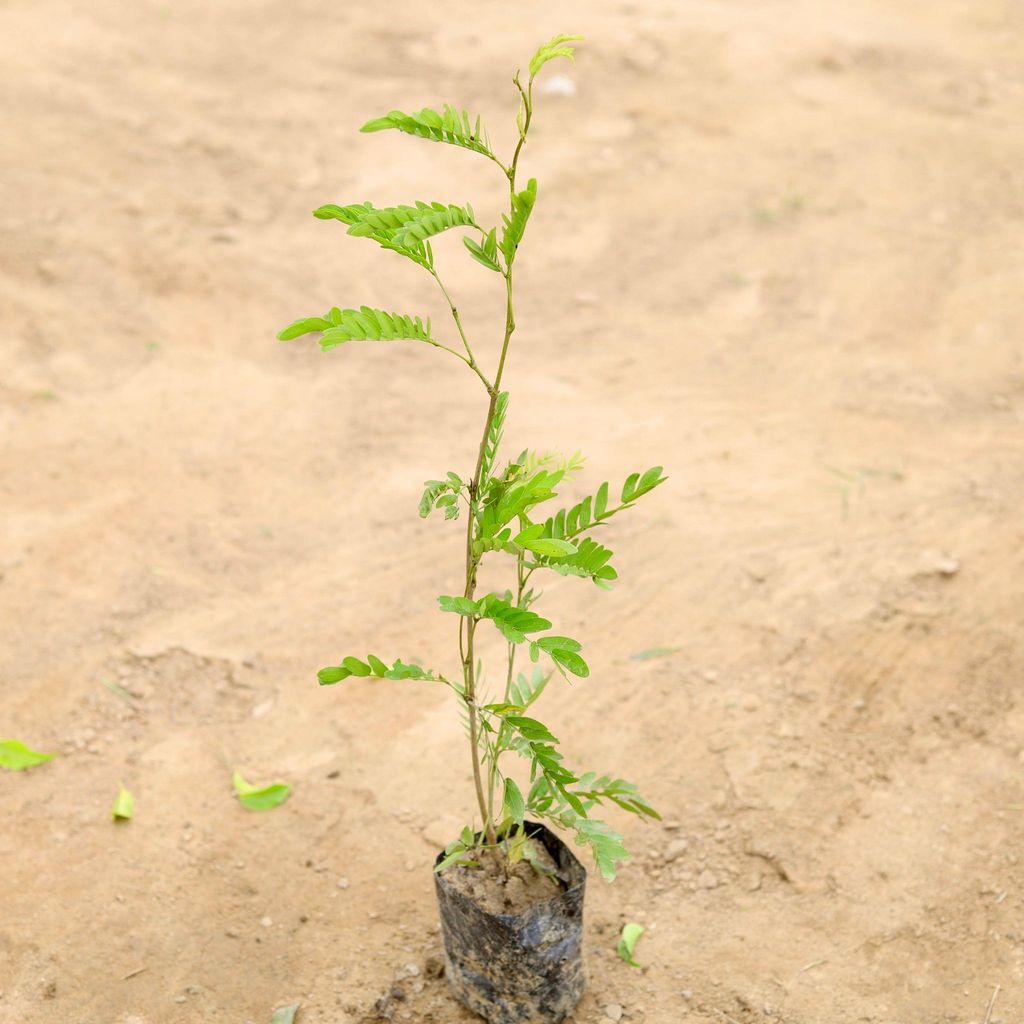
563, 651
513, 623
363, 324
515, 225
447, 125
514, 495
259, 798
124, 806
459, 605
589, 559
530, 539
515, 805
638, 484
605, 844
627, 942
550, 50
525, 691
285, 1014
486, 252
373, 666
16, 757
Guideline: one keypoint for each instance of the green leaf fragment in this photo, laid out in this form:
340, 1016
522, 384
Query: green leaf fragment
556, 47
16, 757
627, 942
515, 805
260, 798
653, 652
285, 1014
124, 806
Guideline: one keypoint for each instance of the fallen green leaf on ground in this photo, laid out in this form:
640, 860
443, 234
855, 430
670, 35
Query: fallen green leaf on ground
627, 943
124, 806
285, 1015
15, 756
654, 652
260, 798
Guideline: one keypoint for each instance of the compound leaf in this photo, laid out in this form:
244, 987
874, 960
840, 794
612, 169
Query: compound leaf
373, 666
447, 125
363, 324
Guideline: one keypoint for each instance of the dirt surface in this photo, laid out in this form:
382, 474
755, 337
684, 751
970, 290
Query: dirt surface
777, 248
507, 892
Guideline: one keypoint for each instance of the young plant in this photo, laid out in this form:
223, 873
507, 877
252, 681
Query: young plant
501, 502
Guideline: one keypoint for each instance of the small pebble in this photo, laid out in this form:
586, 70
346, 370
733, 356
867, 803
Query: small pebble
613, 1011
412, 970
675, 850
266, 921
343, 882
707, 880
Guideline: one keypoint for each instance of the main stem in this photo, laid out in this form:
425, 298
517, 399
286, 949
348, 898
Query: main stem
469, 624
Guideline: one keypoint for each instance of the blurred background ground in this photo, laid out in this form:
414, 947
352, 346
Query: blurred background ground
777, 248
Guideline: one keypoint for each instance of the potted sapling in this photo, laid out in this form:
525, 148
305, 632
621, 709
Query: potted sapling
510, 890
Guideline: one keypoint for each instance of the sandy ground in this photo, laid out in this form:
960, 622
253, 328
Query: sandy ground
778, 249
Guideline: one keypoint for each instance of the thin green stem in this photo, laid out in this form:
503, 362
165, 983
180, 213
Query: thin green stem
466, 639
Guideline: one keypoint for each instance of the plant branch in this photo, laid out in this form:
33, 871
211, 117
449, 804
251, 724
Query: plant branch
468, 358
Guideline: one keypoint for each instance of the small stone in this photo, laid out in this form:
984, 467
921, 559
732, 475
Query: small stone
343, 882
266, 921
433, 966
686, 994
613, 1011
262, 708
751, 703
707, 879
671, 826
412, 970
373, 915
675, 850
180, 999
711, 676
